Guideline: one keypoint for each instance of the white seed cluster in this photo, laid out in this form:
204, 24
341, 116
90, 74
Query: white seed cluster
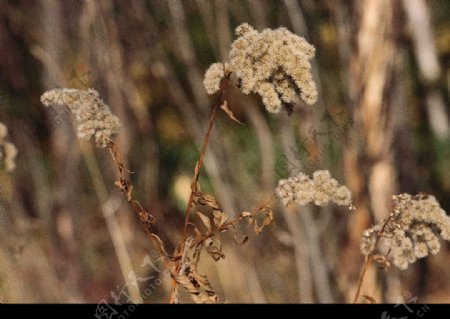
272, 63
411, 231
94, 116
8, 151
320, 190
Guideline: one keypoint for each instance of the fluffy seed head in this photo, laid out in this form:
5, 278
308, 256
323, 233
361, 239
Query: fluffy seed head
320, 190
272, 63
411, 231
93, 115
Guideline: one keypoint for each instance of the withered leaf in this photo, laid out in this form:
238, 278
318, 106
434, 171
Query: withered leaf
197, 285
198, 234
205, 220
129, 191
198, 198
228, 111
160, 246
249, 216
215, 252
219, 218
239, 241
211, 201
267, 219
245, 215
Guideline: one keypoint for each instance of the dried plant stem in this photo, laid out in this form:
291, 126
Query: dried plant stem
368, 260
198, 166
146, 218
112, 224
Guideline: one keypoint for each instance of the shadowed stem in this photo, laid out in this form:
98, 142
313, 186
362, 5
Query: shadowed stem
198, 166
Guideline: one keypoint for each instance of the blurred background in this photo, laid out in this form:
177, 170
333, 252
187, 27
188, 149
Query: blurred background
381, 126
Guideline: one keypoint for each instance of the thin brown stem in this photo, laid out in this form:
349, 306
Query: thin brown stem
146, 218
198, 167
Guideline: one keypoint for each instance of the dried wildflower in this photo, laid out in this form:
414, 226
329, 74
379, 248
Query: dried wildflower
94, 116
272, 63
321, 190
8, 151
410, 232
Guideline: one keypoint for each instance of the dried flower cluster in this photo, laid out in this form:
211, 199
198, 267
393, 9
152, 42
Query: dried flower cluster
8, 151
272, 63
94, 117
410, 232
321, 190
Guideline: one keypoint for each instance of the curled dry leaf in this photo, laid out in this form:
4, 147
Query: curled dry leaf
244, 215
219, 218
220, 223
125, 187
207, 237
228, 111
211, 202
160, 247
214, 250
197, 285
205, 220
240, 241
268, 218
252, 217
